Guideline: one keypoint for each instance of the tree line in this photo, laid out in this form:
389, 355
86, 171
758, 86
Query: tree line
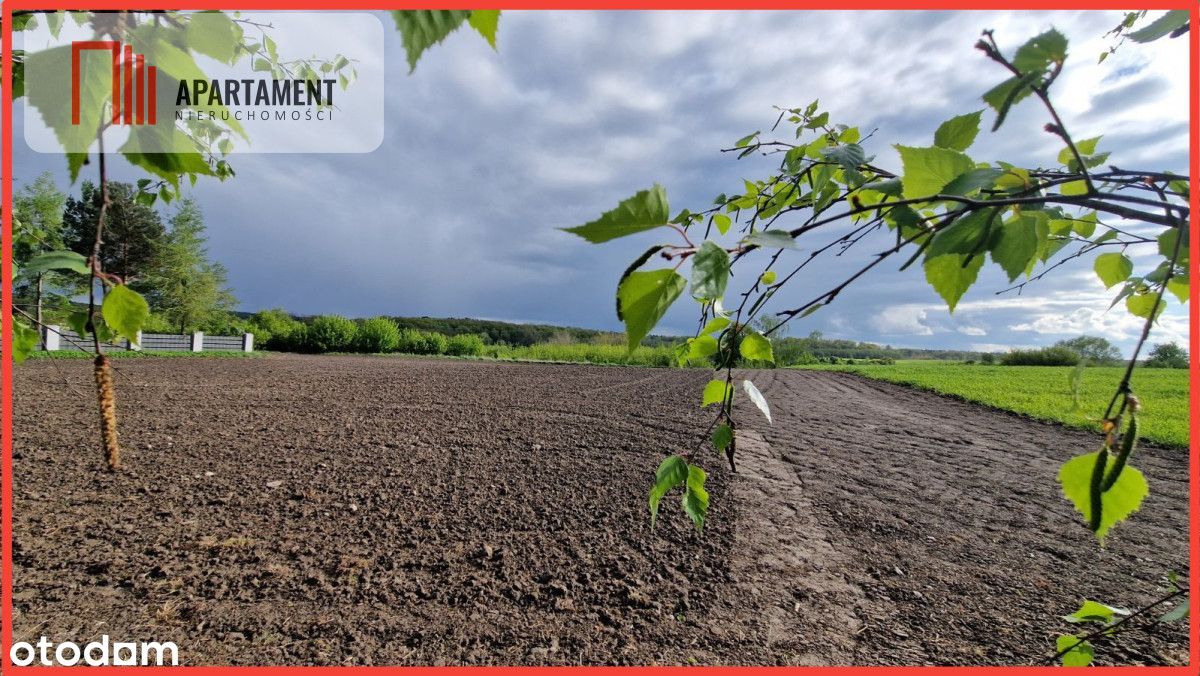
161, 254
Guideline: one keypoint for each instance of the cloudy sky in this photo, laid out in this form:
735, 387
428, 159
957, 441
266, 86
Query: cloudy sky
485, 153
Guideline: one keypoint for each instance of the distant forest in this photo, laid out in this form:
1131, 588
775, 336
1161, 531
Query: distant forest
510, 333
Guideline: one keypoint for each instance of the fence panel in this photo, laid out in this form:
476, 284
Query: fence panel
58, 338
223, 342
162, 342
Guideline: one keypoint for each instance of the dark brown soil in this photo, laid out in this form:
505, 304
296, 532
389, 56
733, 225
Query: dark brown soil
359, 510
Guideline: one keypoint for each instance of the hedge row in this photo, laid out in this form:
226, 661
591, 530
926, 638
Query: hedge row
331, 333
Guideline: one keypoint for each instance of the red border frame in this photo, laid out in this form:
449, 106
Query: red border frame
6, 396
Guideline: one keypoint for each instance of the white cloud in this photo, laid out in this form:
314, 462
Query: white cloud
903, 320
1116, 324
972, 331
996, 347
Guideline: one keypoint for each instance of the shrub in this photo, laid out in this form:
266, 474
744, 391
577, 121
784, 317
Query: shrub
465, 345
223, 324
331, 333
1046, 356
276, 330
377, 335
156, 323
1167, 356
987, 358
414, 341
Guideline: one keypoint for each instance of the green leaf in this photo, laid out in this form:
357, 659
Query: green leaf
722, 437
486, 22
24, 341
18, 73
1085, 226
1113, 268
973, 181
1092, 611
722, 222
756, 347
1163, 25
890, 186
1166, 244
818, 121
710, 271
1143, 304
958, 133
643, 298
94, 91
767, 278
125, 311
759, 400
848, 155
1074, 188
671, 472
969, 234
77, 322
213, 34
424, 28
1178, 286
770, 239
715, 324
746, 140
644, 211
1007, 94
716, 392
1080, 653
1040, 51
1017, 245
54, 21
57, 260
952, 274
1117, 503
695, 497
701, 347
1179, 612
170, 166
928, 170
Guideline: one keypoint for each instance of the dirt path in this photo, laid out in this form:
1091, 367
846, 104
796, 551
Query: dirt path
357, 510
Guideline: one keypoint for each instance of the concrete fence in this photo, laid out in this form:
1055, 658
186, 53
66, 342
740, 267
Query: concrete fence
58, 338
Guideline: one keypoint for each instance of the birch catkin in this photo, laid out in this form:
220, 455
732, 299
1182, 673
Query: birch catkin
108, 412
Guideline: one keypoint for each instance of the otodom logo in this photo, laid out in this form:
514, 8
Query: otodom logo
138, 105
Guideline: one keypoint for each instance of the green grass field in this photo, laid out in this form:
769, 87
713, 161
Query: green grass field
1044, 392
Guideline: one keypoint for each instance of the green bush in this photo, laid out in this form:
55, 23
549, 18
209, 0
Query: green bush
414, 341
276, 330
1167, 356
156, 323
331, 333
223, 324
377, 335
465, 345
1046, 356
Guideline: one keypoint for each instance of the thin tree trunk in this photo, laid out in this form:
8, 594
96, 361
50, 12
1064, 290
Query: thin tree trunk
38, 300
